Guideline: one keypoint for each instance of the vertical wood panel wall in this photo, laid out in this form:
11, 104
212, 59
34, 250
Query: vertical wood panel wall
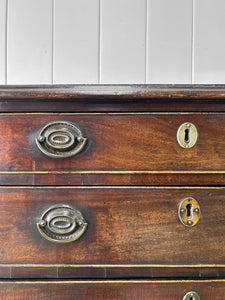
112, 41
3, 13
209, 42
122, 42
169, 38
76, 41
29, 42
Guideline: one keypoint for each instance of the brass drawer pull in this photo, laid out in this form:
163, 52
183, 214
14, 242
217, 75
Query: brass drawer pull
62, 224
189, 211
60, 139
192, 295
187, 135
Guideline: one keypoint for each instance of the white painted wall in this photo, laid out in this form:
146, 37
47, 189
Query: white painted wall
112, 41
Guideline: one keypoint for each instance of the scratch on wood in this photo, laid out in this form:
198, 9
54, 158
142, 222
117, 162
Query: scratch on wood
33, 165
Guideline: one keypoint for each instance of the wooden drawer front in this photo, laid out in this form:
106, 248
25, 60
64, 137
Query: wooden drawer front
120, 290
117, 142
125, 226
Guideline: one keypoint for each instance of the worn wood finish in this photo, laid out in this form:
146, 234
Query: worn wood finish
107, 290
117, 142
32, 272
128, 183
70, 178
179, 179
104, 98
113, 91
54, 271
123, 226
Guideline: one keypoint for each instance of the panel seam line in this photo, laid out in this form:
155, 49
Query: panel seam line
53, 40
193, 43
99, 42
146, 42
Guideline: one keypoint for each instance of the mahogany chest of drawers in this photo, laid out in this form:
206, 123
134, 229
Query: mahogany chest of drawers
112, 192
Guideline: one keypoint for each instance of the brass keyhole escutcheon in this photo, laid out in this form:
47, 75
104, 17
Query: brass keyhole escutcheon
192, 295
189, 211
187, 135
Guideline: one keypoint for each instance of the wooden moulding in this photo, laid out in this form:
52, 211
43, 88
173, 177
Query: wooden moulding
118, 98
48, 178
110, 272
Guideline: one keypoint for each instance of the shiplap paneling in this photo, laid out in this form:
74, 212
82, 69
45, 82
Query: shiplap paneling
105, 41
122, 52
209, 41
2, 41
29, 41
169, 41
76, 41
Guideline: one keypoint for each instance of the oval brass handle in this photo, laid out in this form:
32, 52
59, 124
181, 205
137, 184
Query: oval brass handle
62, 224
192, 295
60, 139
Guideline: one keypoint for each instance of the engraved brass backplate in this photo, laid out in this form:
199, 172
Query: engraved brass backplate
192, 295
189, 211
60, 139
187, 135
62, 224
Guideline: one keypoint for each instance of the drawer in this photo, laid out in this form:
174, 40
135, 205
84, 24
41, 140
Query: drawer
116, 142
124, 226
120, 290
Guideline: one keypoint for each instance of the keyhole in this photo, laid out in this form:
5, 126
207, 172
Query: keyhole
187, 138
188, 207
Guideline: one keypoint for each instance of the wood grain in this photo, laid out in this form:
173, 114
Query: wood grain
90, 271
113, 91
94, 98
101, 178
107, 290
143, 142
125, 226
133, 232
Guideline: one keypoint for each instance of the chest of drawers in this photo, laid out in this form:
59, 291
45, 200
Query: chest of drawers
112, 192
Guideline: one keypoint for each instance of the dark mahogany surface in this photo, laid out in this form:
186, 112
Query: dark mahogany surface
53, 271
108, 290
117, 142
132, 233
54, 178
125, 226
